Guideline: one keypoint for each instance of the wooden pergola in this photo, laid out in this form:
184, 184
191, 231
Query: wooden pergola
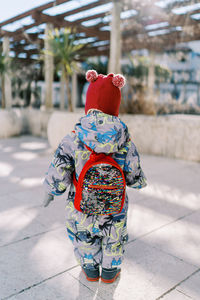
146, 24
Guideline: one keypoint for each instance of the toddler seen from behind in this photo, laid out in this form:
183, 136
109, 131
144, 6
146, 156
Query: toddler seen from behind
97, 161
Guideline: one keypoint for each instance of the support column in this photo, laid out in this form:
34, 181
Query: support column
151, 77
115, 39
62, 91
6, 86
74, 90
48, 65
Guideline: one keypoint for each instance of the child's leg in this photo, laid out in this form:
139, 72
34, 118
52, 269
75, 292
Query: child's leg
87, 250
113, 243
113, 248
87, 244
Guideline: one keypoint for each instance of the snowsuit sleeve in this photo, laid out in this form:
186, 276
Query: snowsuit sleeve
59, 175
134, 175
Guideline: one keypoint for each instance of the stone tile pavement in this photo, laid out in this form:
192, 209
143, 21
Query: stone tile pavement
162, 258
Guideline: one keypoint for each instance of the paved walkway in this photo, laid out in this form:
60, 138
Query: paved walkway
36, 259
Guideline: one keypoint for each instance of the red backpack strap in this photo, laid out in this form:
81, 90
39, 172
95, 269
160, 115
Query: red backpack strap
97, 154
88, 148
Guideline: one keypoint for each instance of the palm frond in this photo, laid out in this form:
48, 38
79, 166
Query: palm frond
64, 47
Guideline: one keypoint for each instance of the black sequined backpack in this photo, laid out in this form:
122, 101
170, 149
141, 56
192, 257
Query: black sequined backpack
100, 188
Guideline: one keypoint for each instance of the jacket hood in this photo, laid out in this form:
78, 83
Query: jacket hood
102, 132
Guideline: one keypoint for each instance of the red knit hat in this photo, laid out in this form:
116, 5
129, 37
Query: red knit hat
104, 92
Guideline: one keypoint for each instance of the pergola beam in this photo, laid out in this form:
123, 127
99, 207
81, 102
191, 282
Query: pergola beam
178, 3
82, 8
31, 11
157, 43
101, 15
134, 32
57, 21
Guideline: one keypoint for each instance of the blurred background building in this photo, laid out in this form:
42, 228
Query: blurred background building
154, 43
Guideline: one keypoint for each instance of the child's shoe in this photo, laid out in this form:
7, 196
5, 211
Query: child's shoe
91, 274
109, 275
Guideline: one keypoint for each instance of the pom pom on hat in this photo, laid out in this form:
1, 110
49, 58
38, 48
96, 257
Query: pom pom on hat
91, 75
119, 81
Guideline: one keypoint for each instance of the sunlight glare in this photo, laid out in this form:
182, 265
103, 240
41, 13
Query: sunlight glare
165, 192
5, 169
33, 145
16, 218
25, 156
185, 9
7, 149
65, 7
31, 182
48, 249
90, 12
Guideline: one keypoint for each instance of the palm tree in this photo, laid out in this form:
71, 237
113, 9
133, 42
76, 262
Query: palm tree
66, 51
